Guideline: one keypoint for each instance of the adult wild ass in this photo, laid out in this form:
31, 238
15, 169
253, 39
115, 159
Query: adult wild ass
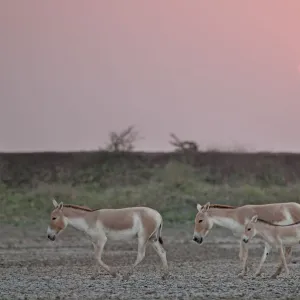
101, 225
235, 219
275, 236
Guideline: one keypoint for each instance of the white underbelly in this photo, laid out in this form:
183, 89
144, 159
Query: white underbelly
124, 235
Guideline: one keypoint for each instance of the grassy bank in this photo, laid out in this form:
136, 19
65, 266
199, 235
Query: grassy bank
174, 189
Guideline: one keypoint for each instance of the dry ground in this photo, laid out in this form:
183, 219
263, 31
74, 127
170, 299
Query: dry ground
31, 267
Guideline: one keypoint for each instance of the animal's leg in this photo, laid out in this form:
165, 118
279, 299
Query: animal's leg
244, 262
282, 255
288, 251
242, 253
242, 250
97, 271
263, 258
288, 255
163, 256
99, 246
140, 256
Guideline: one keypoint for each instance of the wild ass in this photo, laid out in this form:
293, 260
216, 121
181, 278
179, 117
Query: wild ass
275, 235
101, 225
235, 218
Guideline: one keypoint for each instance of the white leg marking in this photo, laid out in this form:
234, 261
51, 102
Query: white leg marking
283, 260
163, 256
140, 256
98, 246
288, 255
242, 249
244, 261
263, 258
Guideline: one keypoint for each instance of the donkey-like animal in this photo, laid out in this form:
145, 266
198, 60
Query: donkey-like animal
235, 218
100, 225
275, 235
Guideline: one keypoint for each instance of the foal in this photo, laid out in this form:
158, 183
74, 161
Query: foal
235, 218
275, 235
101, 225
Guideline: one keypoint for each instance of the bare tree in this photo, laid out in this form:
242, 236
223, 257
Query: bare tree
123, 141
183, 146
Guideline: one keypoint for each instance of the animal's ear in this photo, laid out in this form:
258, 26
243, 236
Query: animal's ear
199, 207
54, 203
60, 205
254, 219
205, 207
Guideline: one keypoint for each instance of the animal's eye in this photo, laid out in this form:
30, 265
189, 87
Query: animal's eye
54, 218
249, 229
200, 221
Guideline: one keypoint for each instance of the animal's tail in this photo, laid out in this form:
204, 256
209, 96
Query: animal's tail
159, 234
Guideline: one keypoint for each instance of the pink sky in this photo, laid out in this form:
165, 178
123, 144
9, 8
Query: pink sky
223, 73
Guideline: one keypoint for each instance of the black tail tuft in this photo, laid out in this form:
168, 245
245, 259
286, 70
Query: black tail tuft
160, 240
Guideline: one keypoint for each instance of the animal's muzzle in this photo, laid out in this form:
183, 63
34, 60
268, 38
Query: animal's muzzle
245, 240
51, 237
198, 240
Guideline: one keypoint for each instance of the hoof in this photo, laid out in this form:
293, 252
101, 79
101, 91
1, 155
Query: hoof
93, 277
257, 274
274, 276
241, 275
126, 276
114, 273
165, 276
249, 268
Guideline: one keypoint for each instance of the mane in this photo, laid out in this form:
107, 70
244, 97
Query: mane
222, 206
85, 208
277, 225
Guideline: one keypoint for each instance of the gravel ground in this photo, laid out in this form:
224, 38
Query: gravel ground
31, 267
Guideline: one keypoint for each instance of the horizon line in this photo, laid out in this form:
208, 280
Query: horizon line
237, 151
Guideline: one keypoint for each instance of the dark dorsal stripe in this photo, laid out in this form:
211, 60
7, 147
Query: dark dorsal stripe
221, 206
77, 207
278, 225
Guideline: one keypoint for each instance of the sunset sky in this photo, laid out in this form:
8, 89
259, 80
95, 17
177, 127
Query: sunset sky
223, 73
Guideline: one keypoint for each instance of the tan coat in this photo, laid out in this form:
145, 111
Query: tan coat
141, 223
235, 218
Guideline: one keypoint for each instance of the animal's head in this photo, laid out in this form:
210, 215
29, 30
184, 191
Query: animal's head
250, 230
203, 223
57, 221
